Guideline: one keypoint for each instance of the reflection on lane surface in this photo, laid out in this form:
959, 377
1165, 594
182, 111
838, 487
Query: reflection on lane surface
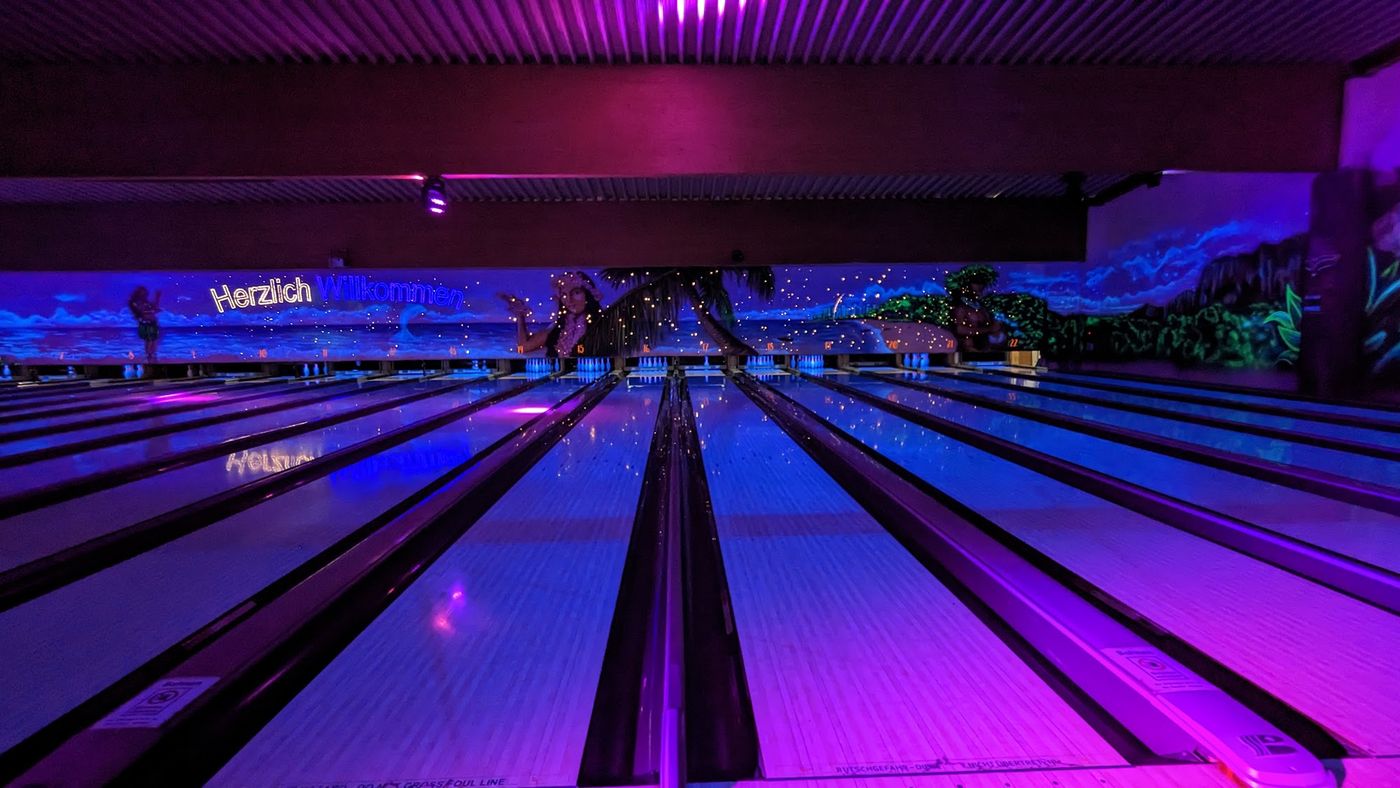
29, 535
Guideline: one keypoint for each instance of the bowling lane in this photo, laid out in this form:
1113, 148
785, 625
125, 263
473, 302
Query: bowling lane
153, 402
1369, 469
216, 406
1226, 397
13, 391
31, 535
1300, 426
102, 396
67, 645
487, 666
34, 475
1356, 531
858, 660
1325, 654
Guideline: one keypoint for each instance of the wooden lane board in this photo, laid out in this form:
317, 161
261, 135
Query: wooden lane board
857, 659
486, 667
1327, 655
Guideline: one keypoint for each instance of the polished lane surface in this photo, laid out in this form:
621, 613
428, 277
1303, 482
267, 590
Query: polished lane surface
1226, 397
1299, 425
67, 645
36, 475
30, 536
1325, 654
487, 666
858, 661
1369, 469
1356, 531
210, 405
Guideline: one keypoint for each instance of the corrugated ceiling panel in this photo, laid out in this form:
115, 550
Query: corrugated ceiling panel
709, 31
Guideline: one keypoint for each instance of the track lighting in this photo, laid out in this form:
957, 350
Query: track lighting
435, 195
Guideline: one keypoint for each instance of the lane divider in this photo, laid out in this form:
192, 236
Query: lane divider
636, 730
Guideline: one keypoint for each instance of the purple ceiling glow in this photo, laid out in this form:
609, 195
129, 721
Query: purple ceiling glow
1121, 32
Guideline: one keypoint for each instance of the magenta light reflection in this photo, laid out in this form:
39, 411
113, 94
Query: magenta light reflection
182, 397
530, 409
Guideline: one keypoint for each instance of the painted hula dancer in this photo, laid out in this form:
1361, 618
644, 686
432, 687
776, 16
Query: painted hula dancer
577, 321
144, 309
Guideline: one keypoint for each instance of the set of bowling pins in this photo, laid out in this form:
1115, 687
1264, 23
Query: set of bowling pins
760, 362
594, 365
808, 362
131, 371
653, 364
914, 360
540, 365
311, 370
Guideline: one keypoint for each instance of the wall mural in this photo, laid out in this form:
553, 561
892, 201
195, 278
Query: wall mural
1371, 141
1380, 351
340, 314
1205, 269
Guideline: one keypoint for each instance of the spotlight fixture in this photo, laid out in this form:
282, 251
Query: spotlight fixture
435, 195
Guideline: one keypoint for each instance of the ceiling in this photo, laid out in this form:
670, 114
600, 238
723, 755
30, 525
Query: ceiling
1117, 32
681, 188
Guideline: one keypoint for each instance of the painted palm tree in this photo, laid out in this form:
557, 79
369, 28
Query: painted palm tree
653, 300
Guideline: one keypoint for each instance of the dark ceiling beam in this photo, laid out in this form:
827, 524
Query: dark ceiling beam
1372, 62
321, 120
1133, 182
152, 235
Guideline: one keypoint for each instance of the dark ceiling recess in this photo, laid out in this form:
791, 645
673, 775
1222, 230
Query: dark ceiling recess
58, 191
1372, 62
1102, 32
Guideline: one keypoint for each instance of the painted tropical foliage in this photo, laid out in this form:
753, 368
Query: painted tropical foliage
1245, 312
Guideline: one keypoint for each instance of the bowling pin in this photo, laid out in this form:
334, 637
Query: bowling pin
305, 371
5, 373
